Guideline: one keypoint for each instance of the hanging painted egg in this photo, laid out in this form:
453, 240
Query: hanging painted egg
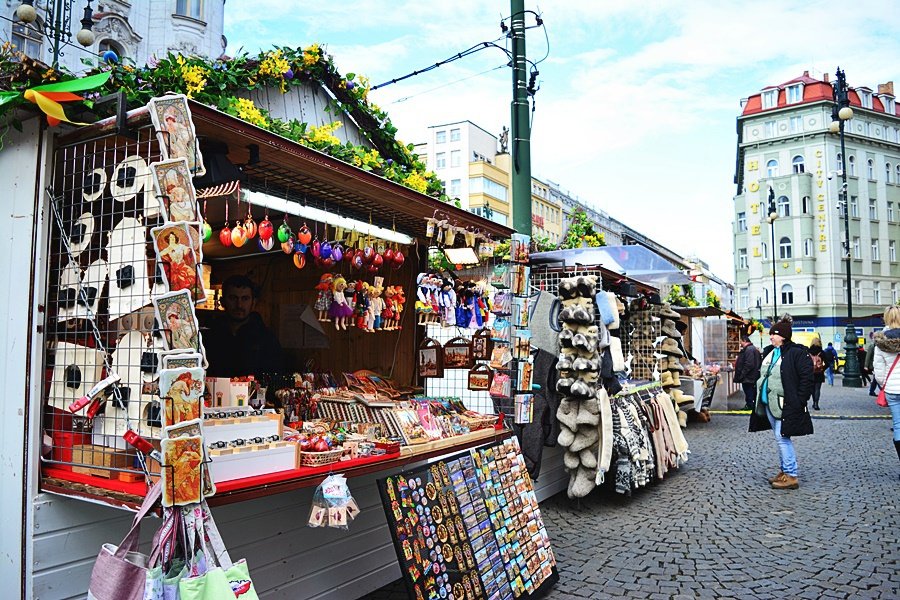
225, 236
299, 260
372, 269
284, 232
389, 255
398, 259
316, 249
325, 250
337, 253
266, 229
326, 263
368, 254
238, 236
302, 247
348, 256
288, 246
377, 261
358, 262
250, 227
266, 244
207, 231
304, 235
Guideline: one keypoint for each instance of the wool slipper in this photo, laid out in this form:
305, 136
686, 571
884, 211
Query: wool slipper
585, 364
577, 303
588, 415
571, 460
564, 362
587, 286
563, 386
581, 389
567, 413
583, 482
588, 457
568, 288
584, 437
566, 436
582, 315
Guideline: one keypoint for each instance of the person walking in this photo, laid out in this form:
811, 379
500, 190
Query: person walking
870, 358
886, 356
818, 361
863, 373
785, 384
829, 355
746, 370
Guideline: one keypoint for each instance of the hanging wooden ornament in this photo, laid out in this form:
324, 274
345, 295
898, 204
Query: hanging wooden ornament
480, 378
430, 358
458, 354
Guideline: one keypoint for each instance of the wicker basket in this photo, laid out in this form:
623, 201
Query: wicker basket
320, 459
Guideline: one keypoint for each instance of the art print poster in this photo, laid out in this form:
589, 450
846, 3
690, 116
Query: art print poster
175, 132
181, 477
181, 392
175, 190
176, 318
178, 360
174, 250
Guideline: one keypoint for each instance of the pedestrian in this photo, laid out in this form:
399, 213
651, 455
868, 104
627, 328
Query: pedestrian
861, 354
746, 370
829, 355
818, 361
784, 389
870, 358
887, 351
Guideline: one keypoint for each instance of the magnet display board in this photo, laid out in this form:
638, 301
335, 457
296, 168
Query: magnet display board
469, 526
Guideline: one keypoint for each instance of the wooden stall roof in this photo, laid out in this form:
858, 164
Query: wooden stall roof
290, 170
608, 275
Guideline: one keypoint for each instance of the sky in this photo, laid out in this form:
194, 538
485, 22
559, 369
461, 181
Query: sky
637, 104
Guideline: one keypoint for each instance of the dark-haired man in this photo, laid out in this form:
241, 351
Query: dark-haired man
238, 343
746, 370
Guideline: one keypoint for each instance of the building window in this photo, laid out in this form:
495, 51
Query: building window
798, 164
479, 185
770, 129
770, 99
857, 291
744, 297
28, 39
854, 207
890, 106
890, 212
839, 159
742, 221
844, 289
808, 247
810, 294
892, 250
787, 294
894, 295
851, 166
796, 124
784, 206
873, 209
865, 98
766, 295
454, 134
440, 137
794, 93
897, 173
876, 292
440, 160
870, 168
856, 251
772, 168
454, 187
189, 8
784, 248
742, 259
765, 250
106, 45
876, 250
804, 205
454, 158
887, 172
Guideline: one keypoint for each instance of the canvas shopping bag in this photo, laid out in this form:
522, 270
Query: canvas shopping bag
219, 581
165, 570
120, 573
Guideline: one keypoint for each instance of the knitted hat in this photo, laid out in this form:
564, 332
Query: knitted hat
782, 328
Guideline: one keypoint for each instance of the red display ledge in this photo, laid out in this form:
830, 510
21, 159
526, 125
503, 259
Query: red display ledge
122, 494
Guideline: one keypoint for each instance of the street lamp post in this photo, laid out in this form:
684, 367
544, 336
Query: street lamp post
841, 112
57, 26
773, 216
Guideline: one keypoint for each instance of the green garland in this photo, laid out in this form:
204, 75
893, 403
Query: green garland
682, 295
224, 84
581, 233
712, 299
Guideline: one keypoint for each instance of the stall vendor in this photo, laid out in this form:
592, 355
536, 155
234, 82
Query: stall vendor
238, 343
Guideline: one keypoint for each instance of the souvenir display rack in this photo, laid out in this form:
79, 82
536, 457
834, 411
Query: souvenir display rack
469, 526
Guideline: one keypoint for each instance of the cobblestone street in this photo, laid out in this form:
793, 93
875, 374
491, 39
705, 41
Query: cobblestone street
715, 529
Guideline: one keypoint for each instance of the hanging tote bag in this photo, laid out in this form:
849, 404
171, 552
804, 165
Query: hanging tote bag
881, 400
120, 572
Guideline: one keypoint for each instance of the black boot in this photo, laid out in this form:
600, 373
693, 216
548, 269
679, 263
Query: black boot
815, 405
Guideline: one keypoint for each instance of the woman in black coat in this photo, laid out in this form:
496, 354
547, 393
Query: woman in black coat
785, 384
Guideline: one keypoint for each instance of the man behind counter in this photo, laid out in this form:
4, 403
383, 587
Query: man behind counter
238, 343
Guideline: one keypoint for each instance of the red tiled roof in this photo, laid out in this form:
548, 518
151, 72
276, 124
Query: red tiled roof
814, 90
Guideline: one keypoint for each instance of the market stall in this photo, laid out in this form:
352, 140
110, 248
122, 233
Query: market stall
149, 379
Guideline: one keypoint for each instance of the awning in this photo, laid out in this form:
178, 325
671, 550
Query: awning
637, 262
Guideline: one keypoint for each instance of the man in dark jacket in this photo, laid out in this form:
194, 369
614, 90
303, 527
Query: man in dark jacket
785, 388
746, 370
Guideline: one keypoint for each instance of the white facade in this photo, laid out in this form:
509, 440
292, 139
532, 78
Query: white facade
449, 150
137, 30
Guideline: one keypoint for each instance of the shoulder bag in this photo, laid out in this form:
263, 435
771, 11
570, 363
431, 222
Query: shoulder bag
881, 400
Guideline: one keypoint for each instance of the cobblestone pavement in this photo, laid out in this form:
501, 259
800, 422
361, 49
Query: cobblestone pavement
715, 529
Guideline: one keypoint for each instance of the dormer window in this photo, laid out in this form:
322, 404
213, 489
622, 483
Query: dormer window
794, 93
865, 98
770, 99
890, 106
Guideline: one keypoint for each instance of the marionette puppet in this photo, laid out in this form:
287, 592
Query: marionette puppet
325, 296
340, 310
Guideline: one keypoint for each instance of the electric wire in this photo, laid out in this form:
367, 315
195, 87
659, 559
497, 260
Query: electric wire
405, 98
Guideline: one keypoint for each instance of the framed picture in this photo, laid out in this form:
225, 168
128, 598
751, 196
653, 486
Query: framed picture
523, 381
174, 127
410, 427
482, 344
181, 477
458, 354
480, 378
175, 190
431, 358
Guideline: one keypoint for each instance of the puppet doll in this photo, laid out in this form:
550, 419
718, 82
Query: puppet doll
361, 304
376, 307
340, 309
387, 314
324, 296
